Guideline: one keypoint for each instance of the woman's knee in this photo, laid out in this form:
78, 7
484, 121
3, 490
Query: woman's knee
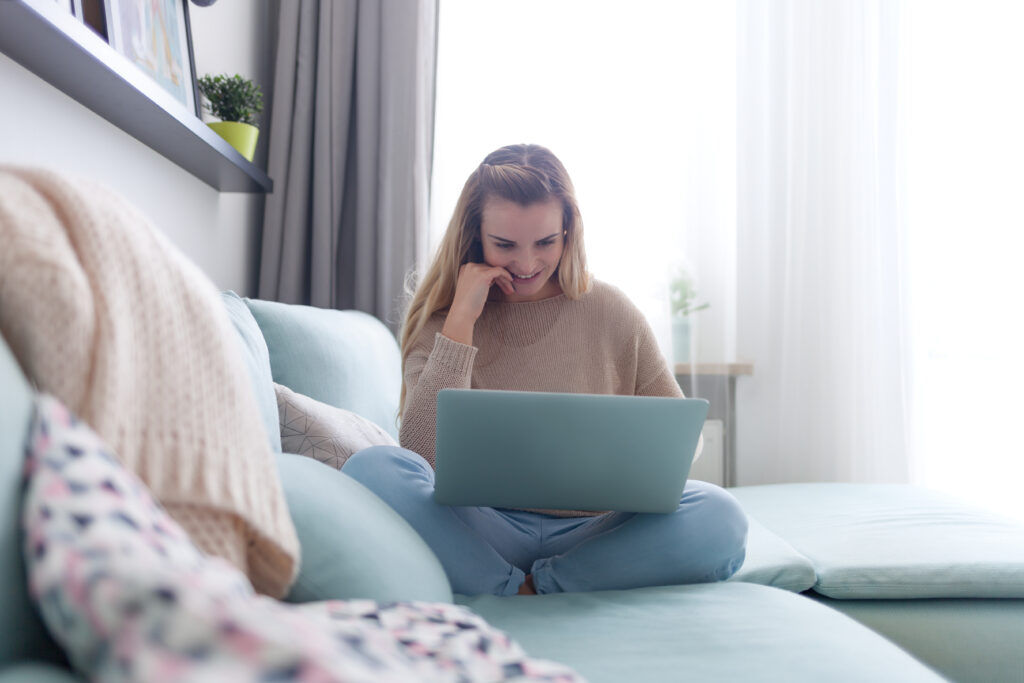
723, 523
382, 468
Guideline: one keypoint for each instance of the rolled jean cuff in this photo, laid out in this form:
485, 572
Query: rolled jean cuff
515, 580
542, 583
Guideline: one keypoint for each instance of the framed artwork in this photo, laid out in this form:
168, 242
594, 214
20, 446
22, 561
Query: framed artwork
155, 35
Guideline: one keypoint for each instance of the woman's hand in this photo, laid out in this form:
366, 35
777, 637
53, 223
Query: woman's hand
471, 291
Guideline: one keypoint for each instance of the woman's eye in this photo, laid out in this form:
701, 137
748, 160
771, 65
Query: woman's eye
545, 243
504, 245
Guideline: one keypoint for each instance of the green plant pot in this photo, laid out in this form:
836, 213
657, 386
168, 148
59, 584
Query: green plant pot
681, 335
241, 136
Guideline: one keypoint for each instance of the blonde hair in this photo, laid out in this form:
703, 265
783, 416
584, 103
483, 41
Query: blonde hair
526, 175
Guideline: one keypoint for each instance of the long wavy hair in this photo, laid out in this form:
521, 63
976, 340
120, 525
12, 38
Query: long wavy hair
525, 175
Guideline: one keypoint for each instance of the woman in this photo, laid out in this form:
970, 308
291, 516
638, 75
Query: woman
508, 304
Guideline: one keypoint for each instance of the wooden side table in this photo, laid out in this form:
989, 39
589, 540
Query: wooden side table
716, 382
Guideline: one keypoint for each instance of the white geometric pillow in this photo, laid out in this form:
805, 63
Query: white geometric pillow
323, 432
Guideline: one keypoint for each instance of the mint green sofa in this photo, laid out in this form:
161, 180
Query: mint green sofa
784, 617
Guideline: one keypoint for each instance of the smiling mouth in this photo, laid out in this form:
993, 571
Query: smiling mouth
525, 278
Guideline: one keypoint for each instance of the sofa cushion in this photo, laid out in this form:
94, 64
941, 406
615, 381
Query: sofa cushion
893, 540
322, 432
703, 632
771, 561
346, 359
23, 633
353, 544
257, 362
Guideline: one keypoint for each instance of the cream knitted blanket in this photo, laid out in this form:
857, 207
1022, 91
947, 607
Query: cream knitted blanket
103, 312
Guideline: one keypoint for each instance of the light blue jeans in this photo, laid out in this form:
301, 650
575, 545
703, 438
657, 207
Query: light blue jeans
489, 550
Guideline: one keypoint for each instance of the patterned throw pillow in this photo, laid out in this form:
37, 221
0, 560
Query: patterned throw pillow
129, 598
323, 432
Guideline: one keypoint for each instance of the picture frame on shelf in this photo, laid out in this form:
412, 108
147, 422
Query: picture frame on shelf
93, 13
156, 36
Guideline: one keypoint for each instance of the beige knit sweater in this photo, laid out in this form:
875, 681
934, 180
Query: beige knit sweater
597, 344
103, 312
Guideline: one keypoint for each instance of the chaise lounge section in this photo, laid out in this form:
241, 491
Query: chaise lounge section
941, 578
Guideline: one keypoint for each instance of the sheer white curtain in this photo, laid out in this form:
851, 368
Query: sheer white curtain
963, 105
820, 253
638, 100
844, 184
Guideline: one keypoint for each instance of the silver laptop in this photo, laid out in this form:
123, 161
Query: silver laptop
514, 449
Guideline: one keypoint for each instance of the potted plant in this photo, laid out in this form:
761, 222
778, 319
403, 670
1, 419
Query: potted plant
235, 101
683, 303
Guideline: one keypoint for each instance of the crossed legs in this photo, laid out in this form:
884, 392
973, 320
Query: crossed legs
486, 550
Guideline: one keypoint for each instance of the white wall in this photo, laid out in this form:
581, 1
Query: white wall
41, 126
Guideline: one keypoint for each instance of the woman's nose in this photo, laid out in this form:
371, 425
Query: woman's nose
527, 260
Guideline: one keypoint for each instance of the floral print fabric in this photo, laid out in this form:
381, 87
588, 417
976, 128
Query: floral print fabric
130, 598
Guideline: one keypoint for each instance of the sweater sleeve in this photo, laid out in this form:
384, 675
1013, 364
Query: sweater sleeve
448, 365
654, 376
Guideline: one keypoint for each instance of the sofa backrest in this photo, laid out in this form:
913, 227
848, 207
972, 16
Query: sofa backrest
347, 359
24, 636
257, 363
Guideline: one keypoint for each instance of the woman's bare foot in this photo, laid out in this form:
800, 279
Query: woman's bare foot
527, 586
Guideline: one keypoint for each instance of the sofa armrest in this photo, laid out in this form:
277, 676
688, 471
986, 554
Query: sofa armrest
353, 544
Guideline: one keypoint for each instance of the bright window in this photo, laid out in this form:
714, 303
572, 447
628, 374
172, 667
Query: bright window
964, 135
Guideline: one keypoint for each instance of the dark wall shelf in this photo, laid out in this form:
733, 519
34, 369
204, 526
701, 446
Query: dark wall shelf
64, 52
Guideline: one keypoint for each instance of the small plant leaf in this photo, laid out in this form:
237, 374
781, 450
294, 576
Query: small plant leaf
683, 295
232, 98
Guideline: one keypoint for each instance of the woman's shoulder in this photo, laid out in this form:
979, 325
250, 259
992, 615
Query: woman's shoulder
605, 291
608, 311
610, 299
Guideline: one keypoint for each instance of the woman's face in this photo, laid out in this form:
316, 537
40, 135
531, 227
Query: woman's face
527, 241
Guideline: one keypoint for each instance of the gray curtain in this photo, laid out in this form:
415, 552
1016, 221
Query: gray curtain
351, 135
